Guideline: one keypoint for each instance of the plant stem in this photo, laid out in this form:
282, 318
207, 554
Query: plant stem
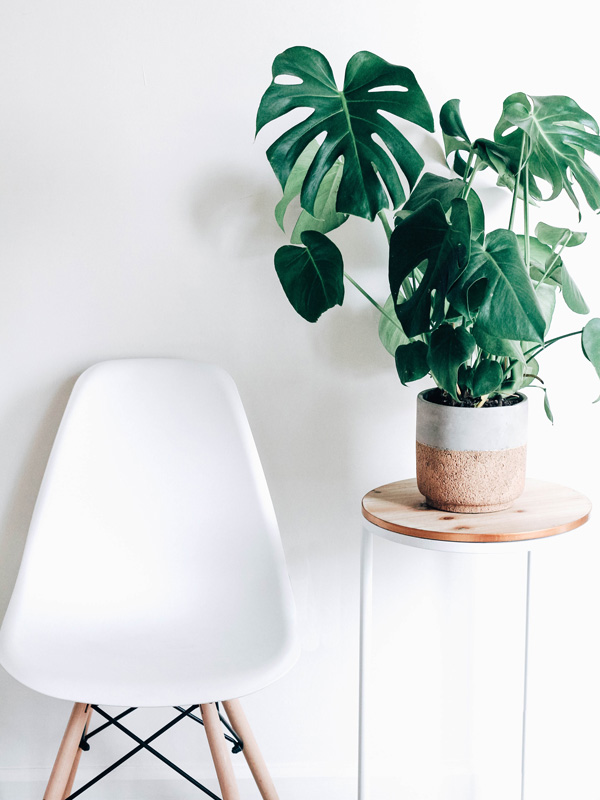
379, 308
526, 219
554, 260
386, 225
516, 189
474, 171
470, 158
548, 343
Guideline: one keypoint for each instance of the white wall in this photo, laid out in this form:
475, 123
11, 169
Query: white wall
136, 219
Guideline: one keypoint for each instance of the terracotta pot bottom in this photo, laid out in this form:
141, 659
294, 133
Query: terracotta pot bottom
461, 509
470, 481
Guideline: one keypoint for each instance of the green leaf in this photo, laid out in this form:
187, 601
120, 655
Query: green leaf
551, 236
465, 378
455, 136
547, 408
427, 236
295, 181
530, 373
487, 378
312, 276
560, 133
411, 361
573, 297
502, 156
449, 348
546, 296
590, 343
521, 375
391, 333
326, 218
497, 347
549, 268
540, 258
435, 187
510, 309
351, 119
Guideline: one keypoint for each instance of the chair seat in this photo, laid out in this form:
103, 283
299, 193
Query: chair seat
181, 665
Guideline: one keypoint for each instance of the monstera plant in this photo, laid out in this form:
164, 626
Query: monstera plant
471, 308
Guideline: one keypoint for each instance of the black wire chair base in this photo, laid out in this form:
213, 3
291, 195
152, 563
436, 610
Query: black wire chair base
145, 744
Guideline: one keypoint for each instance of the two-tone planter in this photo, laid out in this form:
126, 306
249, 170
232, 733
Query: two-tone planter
471, 459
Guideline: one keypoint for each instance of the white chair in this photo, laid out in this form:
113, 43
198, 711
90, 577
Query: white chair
153, 573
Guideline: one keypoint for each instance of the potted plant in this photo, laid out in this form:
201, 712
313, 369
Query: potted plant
469, 307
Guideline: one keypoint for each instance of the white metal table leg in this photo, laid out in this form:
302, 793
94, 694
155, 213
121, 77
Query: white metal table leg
366, 594
525, 675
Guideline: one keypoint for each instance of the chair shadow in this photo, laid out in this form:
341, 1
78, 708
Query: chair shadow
15, 525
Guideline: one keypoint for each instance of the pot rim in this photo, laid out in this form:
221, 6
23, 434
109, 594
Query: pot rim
421, 397
474, 429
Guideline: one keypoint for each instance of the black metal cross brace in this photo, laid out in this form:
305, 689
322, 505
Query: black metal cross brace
144, 744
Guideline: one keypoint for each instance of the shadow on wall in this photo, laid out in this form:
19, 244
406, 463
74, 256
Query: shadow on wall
15, 525
233, 213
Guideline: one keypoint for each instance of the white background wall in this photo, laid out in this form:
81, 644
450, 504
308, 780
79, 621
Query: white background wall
136, 220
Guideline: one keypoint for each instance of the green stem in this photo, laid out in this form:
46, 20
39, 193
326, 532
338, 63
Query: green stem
470, 158
554, 260
386, 225
526, 219
379, 308
548, 343
474, 171
513, 206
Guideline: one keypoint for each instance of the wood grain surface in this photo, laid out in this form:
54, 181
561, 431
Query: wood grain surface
544, 509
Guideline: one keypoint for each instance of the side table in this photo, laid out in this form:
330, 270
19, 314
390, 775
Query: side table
397, 512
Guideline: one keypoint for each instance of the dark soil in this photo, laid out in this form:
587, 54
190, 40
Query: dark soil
442, 398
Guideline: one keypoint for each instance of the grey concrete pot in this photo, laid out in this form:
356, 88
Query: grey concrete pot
471, 459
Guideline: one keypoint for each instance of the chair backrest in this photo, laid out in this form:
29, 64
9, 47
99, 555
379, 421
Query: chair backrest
153, 518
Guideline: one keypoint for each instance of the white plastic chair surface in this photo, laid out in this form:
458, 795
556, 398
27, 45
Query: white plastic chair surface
153, 572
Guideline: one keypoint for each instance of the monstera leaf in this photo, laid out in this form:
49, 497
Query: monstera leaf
548, 266
510, 308
497, 347
435, 187
351, 120
449, 349
427, 236
391, 333
502, 156
295, 180
411, 361
590, 343
487, 377
312, 276
325, 218
560, 132
456, 139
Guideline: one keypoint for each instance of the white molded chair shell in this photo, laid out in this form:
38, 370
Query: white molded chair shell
153, 573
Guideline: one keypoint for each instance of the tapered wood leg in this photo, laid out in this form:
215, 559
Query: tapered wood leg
219, 751
67, 752
71, 781
254, 757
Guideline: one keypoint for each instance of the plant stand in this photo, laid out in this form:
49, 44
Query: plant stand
397, 512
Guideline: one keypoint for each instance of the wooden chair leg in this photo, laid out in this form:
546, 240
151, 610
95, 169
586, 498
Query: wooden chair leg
71, 781
254, 757
219, 751
67, 752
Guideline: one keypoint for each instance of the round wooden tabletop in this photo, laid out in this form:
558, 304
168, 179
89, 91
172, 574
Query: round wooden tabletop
544, 509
